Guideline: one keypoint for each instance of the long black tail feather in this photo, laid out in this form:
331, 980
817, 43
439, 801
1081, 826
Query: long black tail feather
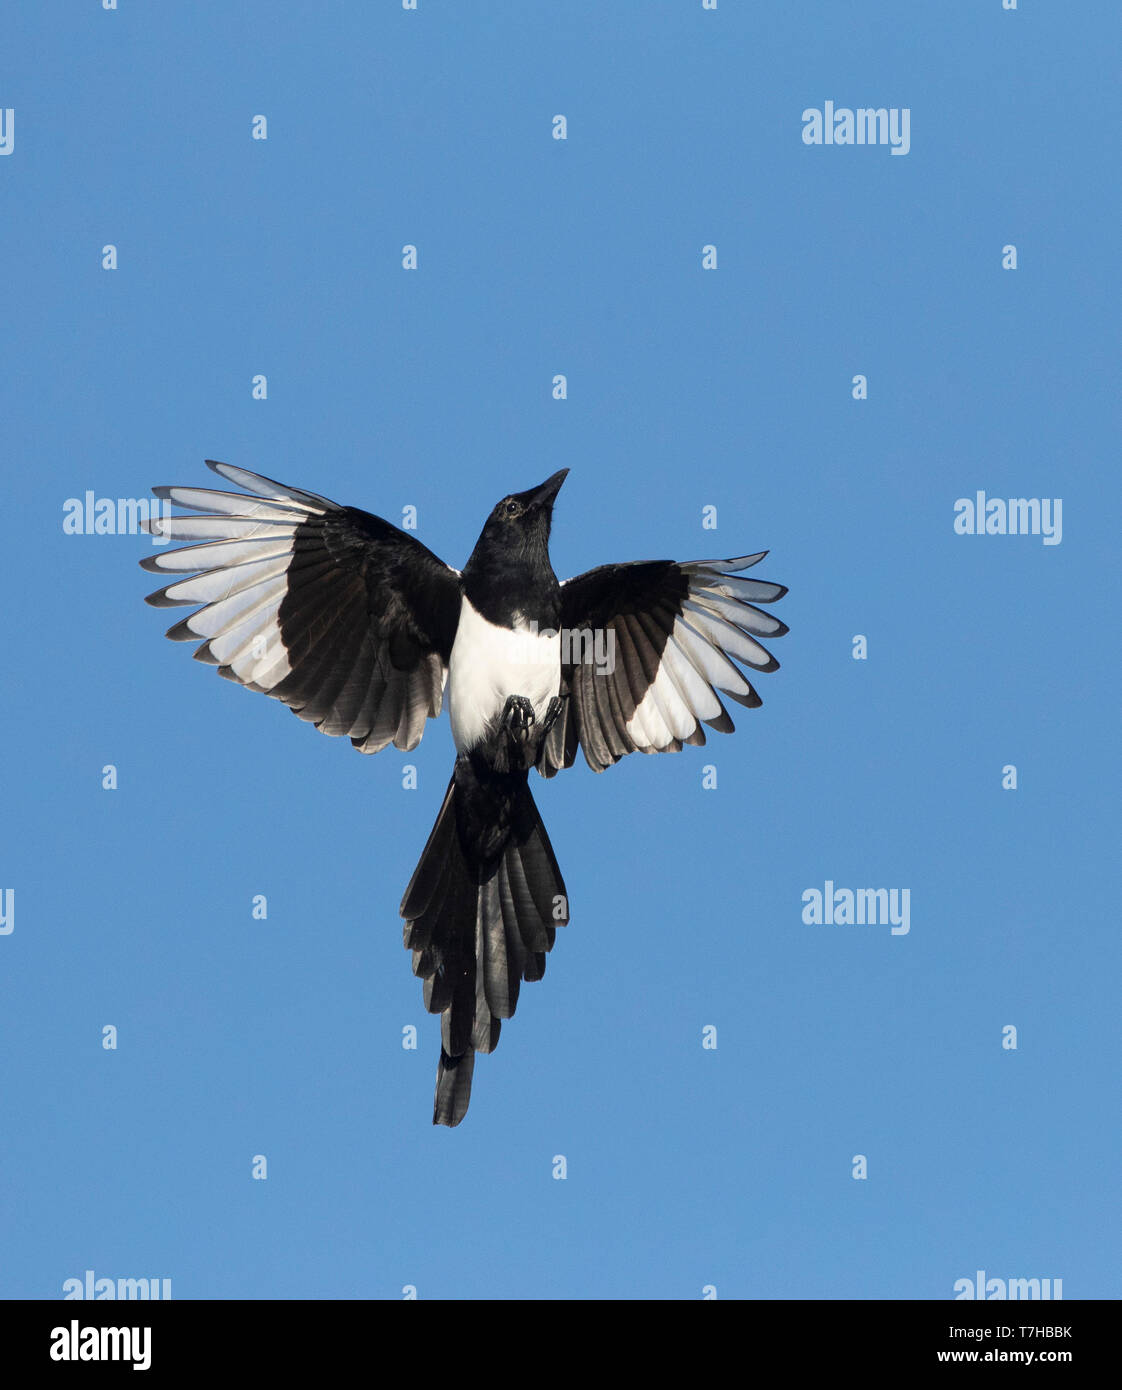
481, 912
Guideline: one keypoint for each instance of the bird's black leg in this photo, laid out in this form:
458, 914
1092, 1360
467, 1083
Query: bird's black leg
512, 736
549, 718
519, 736
518, 717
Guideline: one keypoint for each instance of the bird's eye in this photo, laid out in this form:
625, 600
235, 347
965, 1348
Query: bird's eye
512, 509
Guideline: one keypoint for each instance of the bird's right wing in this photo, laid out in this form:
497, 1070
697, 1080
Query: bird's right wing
337, 613
646, 648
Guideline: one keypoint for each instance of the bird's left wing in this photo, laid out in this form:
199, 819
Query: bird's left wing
337, 613
645, 649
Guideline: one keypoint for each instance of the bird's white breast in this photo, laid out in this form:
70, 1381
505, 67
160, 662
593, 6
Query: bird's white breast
488, 664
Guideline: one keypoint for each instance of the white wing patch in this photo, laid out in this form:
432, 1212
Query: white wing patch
239, 572
712, 631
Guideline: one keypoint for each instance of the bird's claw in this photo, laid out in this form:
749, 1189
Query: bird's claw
518, 717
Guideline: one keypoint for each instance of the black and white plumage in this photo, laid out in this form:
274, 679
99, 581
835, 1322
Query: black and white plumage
358, 628
339, 614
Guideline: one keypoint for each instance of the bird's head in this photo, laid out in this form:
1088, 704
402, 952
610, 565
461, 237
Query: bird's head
529, 512
519, 525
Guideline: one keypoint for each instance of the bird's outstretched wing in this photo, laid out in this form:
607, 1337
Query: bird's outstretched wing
645, 649
336, 612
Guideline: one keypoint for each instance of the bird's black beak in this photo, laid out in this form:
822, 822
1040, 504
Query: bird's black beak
544, 495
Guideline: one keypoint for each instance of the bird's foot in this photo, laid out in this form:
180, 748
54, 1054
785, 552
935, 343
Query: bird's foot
518, 717
549, 718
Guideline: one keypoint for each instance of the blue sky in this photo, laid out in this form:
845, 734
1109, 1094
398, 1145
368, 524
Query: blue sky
732, 388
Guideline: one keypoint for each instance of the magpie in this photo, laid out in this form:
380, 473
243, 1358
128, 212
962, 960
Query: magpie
360, 630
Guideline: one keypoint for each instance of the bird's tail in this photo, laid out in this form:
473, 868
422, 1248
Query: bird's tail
480, 914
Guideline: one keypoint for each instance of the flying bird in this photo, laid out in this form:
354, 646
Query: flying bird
360, 630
